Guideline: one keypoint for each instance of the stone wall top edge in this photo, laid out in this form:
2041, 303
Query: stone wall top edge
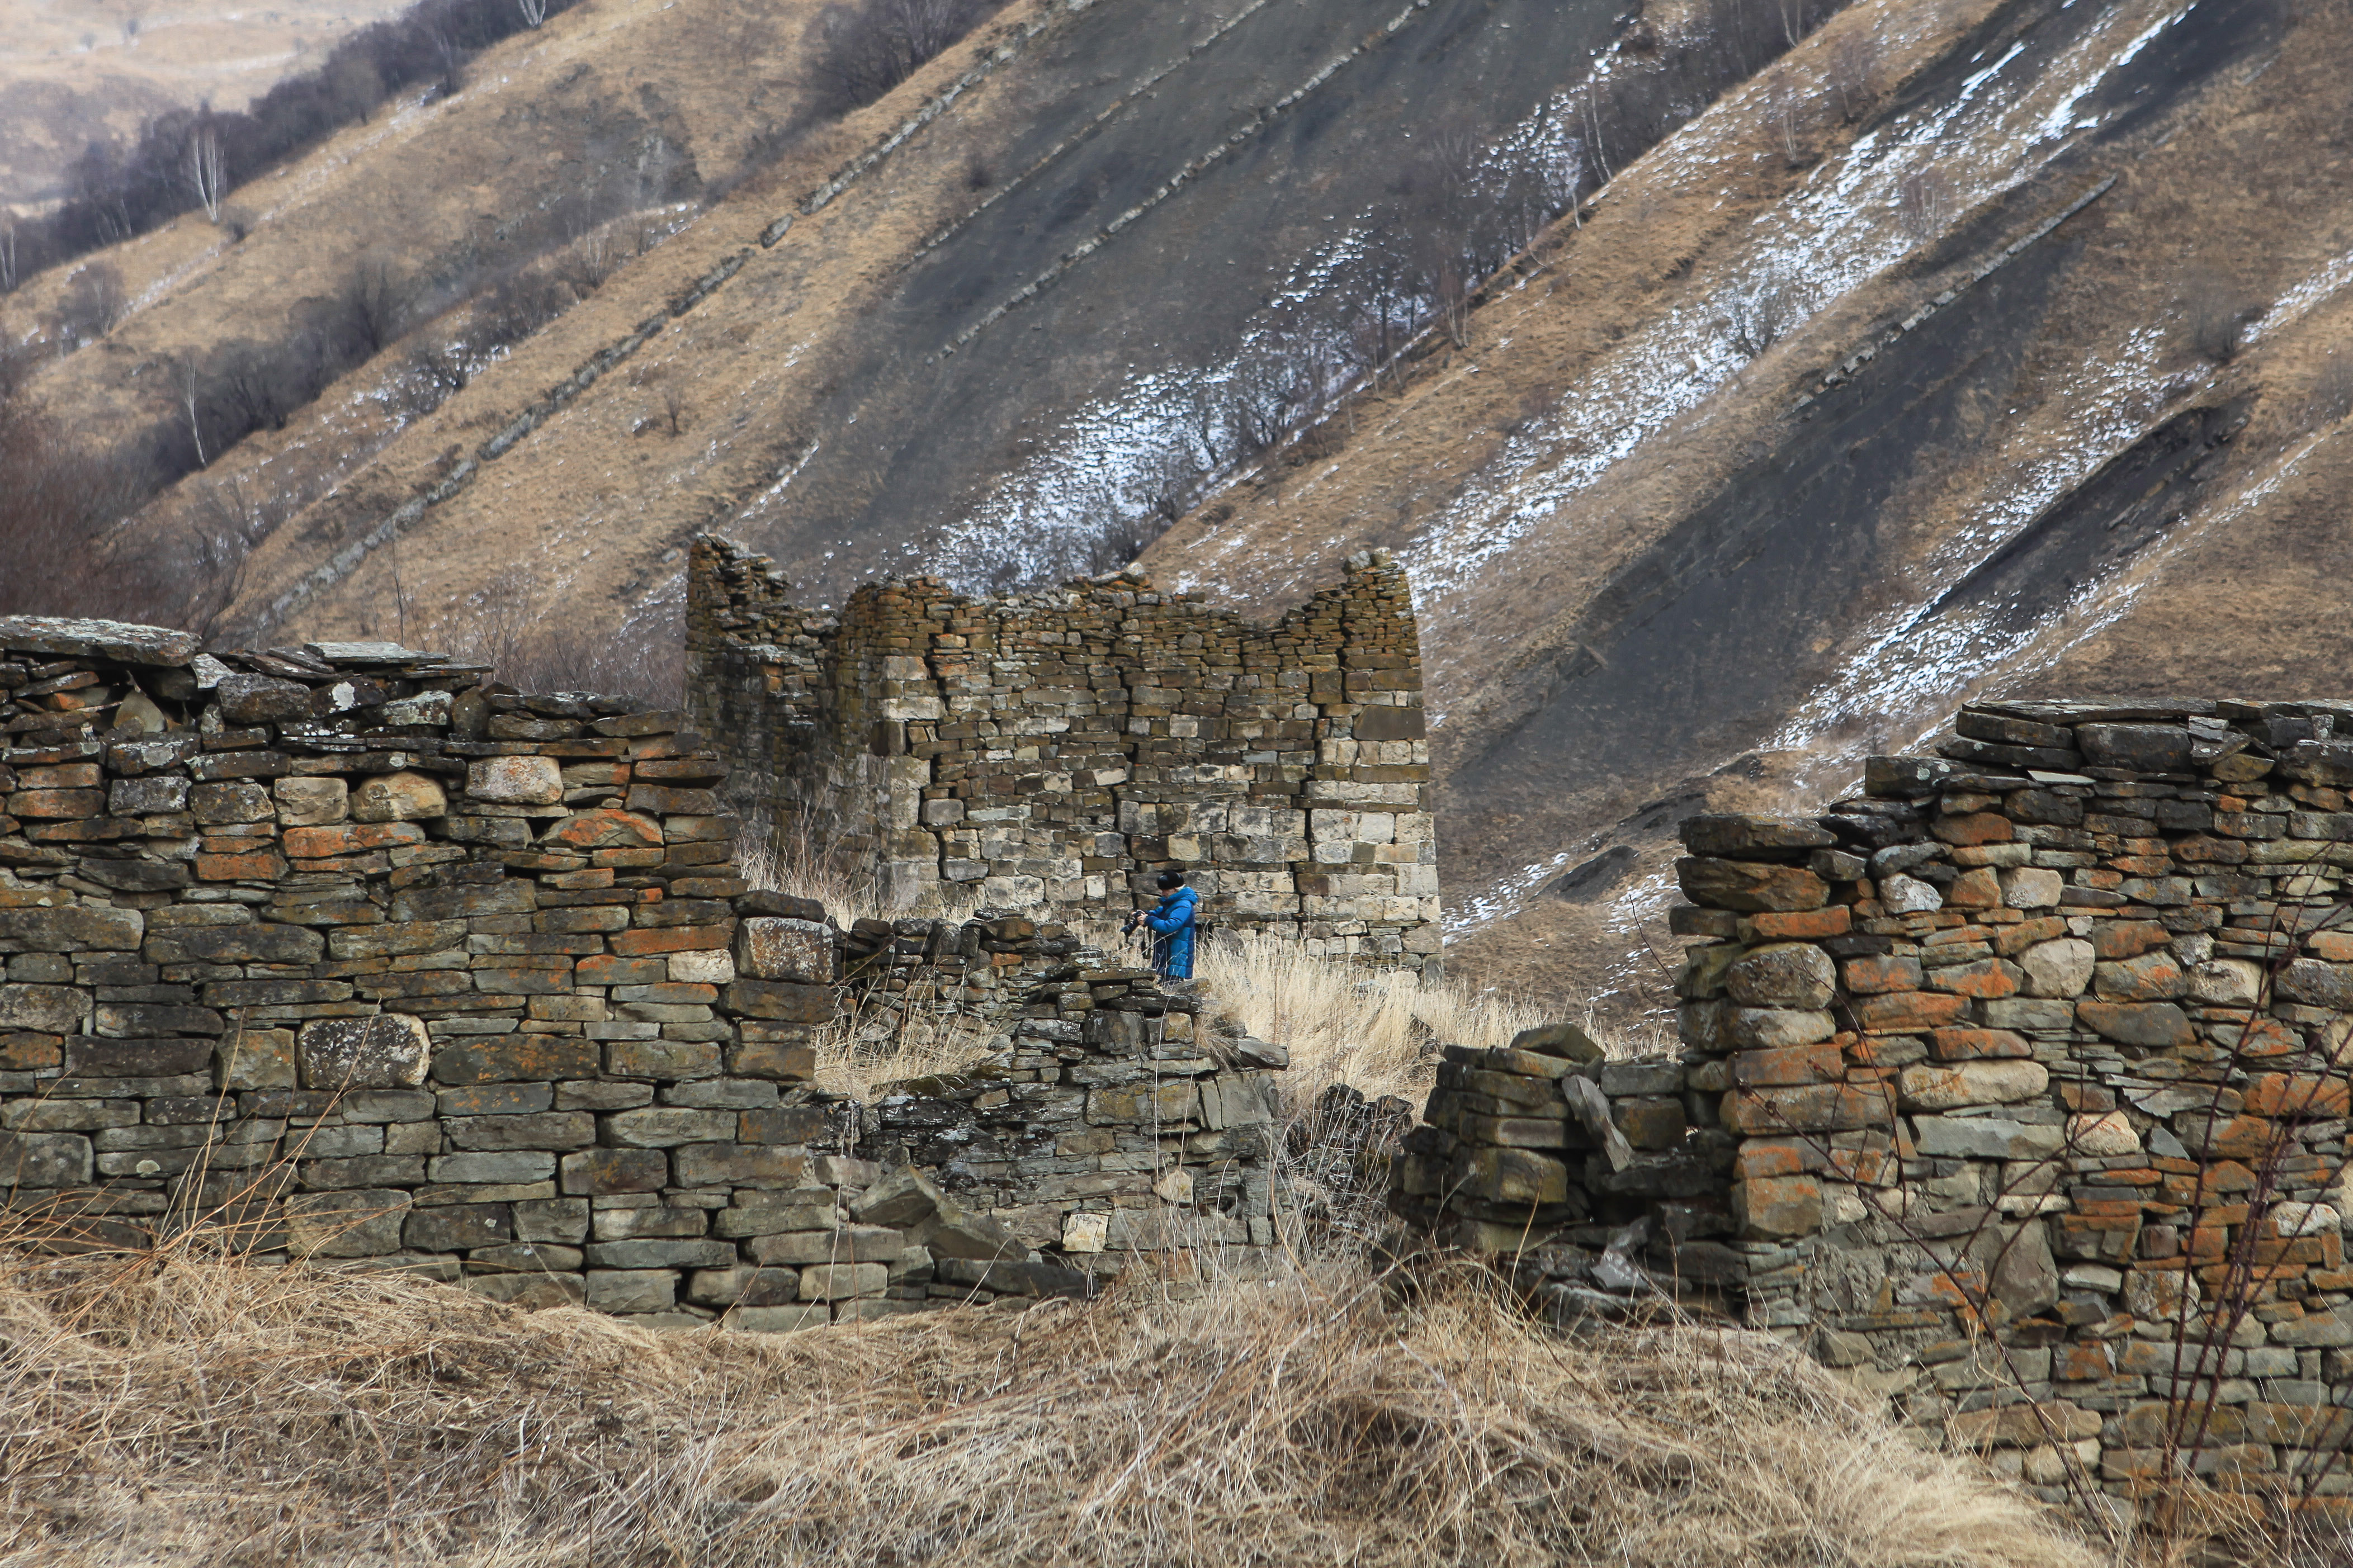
1373, 574
1998, 747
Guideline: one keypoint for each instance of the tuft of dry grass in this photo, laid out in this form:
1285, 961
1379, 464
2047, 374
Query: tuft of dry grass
1376, 1030
174, 1409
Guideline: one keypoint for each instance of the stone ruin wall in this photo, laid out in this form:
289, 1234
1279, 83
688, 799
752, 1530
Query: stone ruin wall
1997, 1080
1053, 750
350, 957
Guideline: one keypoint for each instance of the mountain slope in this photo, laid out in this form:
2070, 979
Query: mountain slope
2085, 448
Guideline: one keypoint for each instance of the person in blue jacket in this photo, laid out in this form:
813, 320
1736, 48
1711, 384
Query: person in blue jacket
1172, 923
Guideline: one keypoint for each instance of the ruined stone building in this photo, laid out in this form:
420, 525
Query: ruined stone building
2017, 1086
1052, 749
334, 952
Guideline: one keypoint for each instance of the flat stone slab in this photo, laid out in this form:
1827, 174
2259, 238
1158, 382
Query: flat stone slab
121, 641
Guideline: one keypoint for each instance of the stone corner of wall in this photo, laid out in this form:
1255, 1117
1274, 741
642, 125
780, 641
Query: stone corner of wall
2011, 1049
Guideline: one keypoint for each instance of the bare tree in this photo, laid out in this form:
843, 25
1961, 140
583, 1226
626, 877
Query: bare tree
1923, 201
866, 48
206, 176
590, 260
444, 367
1760, 315
534, 12
93, 303
2216, 314
7, 252
1853, 71
1782, 102
673, 402
188, 385
370, 305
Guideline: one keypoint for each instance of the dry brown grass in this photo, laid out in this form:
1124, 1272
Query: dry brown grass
170, 1409
1377, 1031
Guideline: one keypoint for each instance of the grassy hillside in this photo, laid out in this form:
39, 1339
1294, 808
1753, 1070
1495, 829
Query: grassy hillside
72, 71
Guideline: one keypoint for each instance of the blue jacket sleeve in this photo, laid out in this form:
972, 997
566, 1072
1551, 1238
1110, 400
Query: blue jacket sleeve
1175, 913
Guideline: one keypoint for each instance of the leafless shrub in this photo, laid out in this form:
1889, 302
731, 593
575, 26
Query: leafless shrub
1759, 315
443, 364
236, 222
511, 624
94, 304
516, 305
59, 499
1854, 72
589, 260
2216, 311
1782, 106
866, 48
1924, 201
977, 174
371, 302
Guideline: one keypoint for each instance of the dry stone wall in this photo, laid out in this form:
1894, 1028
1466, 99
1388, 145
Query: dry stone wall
342, 954
2017, 1086
1052, 749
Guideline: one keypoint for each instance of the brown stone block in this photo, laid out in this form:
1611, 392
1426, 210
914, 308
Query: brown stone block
2102, 1239
2115, 940
781, 1001
1814, 1107
1908, 1012
1779, 1205
779, 1060
798, 1124
1799, 1065
1510, 1176
741, 1164
2024, 1426
1650, 1121
1874, 975
599, 1171
1975, 827
1748, 886
1967, 1045
25, 1051
1834, 920
519, 1057
672, 939
1977, 889
1988, 978
2301, 1096
261, 865
661, 800
350, 839
57, 804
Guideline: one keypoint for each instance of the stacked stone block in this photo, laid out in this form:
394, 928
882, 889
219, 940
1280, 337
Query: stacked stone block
1573, 1165
350, 956
1117, 1121
1049, 751
2033, 1064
